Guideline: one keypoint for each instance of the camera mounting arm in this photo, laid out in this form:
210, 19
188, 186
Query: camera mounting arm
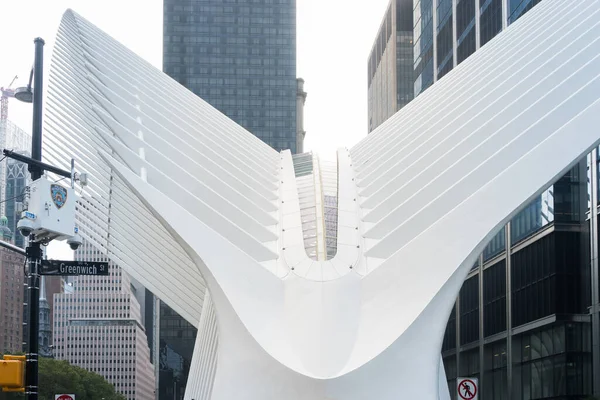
43, 166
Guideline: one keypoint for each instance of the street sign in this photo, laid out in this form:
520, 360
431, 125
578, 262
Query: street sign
65, 268
64, 397
467, 388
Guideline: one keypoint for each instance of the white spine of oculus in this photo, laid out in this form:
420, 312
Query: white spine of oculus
188, 202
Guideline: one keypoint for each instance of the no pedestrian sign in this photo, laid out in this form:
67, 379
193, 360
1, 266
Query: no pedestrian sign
64, 397
467, 388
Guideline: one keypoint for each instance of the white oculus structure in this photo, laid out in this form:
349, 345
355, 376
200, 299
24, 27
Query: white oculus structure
210, 219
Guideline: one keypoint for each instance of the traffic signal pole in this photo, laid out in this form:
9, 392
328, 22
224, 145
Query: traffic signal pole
34, 251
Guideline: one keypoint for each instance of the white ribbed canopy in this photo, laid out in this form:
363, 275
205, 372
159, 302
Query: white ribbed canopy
185, 199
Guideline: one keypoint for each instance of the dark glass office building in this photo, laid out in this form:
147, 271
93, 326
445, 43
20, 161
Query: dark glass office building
176, 346
521, 323
516, 8
448, 31
423, 45
239, 56
526, 323
171, 346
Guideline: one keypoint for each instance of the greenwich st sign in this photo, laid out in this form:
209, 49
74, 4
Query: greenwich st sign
68, 268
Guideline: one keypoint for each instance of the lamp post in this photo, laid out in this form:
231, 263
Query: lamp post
34, 251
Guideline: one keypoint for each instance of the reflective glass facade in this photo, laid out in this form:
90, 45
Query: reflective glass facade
469, 311
522, 323
494, 299
446, 32
404, 53
176, 346
552, 362
490, 19
465, 29
536, 215
390, 67
444, 37
495, 361
240, 56
423, 49
495, 246
516, 8
533, 283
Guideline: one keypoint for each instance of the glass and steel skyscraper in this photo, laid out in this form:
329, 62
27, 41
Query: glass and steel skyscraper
424, 46
390, 68
448, 31
241, 58
526, 322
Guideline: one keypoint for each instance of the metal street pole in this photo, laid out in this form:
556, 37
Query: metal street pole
34, 252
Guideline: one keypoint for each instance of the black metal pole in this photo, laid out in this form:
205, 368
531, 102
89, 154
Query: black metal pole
34, 251
36, 131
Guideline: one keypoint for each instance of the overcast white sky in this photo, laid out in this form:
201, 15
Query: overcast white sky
334, 38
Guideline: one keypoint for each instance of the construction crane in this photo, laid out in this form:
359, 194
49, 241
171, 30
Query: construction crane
6, 94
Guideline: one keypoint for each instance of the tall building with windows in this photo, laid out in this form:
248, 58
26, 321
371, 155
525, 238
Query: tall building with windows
527, 320
99, 327
176, 345
16, 180
423, 53
11, 294
522, 323
13, 138
241, 58
448, 31
390, 65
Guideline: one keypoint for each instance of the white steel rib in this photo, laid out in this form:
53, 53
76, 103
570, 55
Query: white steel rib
217, 224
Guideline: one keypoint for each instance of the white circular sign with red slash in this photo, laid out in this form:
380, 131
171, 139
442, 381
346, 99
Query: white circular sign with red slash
467, 388
64, 397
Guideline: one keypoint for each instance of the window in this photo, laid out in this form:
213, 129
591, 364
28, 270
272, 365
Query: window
449, 342
495, 375
469, 310
494, 299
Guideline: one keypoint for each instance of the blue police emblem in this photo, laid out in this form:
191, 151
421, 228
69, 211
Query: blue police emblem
59, 195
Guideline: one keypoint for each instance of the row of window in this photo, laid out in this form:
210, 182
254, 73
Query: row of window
242, 9
91, 299
205, 19
228, 30
547, 278
180, 5
490, 13
549, 362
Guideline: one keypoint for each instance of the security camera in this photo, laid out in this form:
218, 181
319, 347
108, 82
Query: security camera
25, 226
74, 241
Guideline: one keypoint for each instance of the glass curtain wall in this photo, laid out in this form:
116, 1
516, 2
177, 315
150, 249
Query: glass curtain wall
240, 57
423, 49
444, 37
465, 29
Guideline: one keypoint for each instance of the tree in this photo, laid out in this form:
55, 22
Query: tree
57, 377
